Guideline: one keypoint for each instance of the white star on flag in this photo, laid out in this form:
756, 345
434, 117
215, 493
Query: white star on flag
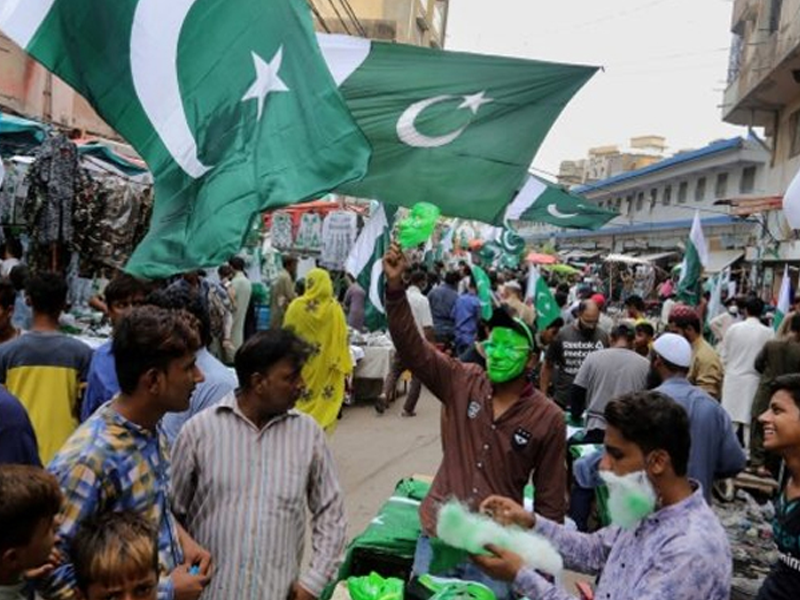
267, 80
475, 101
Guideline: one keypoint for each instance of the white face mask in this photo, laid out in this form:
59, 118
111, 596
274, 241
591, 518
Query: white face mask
631, 497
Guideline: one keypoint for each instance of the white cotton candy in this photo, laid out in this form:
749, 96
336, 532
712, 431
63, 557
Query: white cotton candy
468, 531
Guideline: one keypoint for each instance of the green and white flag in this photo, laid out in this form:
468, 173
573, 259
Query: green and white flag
365, 263
540, 201
228, 101
547, 310
784, 299
454, 129
694, 261
484, 287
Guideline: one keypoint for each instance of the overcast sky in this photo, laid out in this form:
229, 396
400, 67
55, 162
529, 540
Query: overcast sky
665, 65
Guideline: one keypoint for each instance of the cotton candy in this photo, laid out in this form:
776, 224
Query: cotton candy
471, 532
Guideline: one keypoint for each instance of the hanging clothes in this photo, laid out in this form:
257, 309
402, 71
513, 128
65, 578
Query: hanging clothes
54, 178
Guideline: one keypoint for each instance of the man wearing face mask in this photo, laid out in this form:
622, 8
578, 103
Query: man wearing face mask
497, 428
568, 351
716, 453
664, 541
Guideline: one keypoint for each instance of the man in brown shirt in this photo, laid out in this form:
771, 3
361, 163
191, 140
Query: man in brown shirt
495, 435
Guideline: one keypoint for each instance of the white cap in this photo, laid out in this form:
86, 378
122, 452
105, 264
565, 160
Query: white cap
674, 348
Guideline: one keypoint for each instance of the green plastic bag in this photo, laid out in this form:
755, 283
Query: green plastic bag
418, 226
375, 587
455, 589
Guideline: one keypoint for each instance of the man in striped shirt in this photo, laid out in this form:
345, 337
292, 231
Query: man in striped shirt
247, 470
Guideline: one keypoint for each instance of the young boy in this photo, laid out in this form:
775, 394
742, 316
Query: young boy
29, 502
115, 555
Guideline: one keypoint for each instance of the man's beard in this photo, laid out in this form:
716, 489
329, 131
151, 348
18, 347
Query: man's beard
653, 379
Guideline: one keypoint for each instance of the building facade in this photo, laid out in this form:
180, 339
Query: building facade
657, 203
30, 90
606, 161
416, 22
764, 91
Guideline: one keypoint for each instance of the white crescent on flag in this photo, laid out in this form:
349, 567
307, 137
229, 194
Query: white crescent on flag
154, 66
552, 209
407, 129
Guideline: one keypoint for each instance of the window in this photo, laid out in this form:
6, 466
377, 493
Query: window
722, 185
667, 195
629, 204
653, 197
748, 182
795, 125
700, 189
619, 204
683, 191
639, 201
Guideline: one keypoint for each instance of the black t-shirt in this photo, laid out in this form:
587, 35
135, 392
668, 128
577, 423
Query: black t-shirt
783, 582
567, 353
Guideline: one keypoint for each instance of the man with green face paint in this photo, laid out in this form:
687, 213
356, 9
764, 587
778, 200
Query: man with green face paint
498, 430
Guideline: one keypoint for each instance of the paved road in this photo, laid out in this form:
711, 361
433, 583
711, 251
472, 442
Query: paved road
374, 452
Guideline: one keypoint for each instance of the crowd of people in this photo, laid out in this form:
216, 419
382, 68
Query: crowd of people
167, 474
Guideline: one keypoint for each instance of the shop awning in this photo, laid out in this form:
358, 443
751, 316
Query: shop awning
718, 260
656, 257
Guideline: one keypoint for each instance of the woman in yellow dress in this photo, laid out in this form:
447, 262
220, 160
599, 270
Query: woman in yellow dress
317, 318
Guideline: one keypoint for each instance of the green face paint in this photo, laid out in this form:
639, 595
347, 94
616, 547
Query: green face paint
507, 353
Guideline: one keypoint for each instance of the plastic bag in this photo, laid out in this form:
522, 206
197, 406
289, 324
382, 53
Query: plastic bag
455, 589
375, 587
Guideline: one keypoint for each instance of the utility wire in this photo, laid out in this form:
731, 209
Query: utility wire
352, 13
320, 19
339, 16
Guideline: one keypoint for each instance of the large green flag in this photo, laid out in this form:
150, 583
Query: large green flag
454, 129
228, 101
540, 201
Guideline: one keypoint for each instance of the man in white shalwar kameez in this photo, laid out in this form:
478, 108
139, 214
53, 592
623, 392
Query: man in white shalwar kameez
740, 347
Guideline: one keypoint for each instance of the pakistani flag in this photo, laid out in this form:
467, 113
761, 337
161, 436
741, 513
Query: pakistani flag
694, 260
784, 299
365, 263
547, 310
228, 101
484, 286
454, 129
540, 201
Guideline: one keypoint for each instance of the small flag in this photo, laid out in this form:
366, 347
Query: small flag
547, 310
791, 202
484, 285
365, 263
694, 260
784, 299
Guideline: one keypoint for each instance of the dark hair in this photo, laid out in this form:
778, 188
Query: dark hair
123, 287
686, 319
149, 337
14, 247
47, 293
635, 301
561, 299
224, 271
236, 263
794, 324
289, 259
653, 421
266, 348
646, 328
558, 323
18, 276
418, 277
112, 546
623, 331
787, 383
177, 298
8, 295
452, 278
28, 495
754, 306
